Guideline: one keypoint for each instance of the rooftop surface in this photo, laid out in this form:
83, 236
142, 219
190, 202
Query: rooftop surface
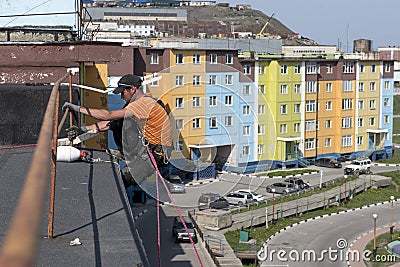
90, 204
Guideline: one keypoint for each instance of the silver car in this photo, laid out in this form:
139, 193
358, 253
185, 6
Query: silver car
282, 188
176, 185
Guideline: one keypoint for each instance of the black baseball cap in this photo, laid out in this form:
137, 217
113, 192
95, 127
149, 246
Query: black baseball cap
126, 81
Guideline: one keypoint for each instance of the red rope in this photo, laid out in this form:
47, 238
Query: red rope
158, 174
13, 147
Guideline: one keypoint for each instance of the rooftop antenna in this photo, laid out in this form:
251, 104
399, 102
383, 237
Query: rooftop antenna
347, 48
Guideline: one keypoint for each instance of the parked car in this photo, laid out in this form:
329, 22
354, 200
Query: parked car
298, 182
179, 232
176, 185
212, 201
282, 188
359, 166
239, 198
256, 197
327, 162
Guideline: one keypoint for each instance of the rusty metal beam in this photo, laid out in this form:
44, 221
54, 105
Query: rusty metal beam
20, 243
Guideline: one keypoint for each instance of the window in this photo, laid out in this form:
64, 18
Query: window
229, 58
246, 89
212, 79
311, 68
310, 143
196, 80
196, 58
246, 110
284, 89
154, 83
310, 125
179, 80
372, 104
213, 122
297, 88
360, 122
386, 119
213, 59
179, 146
284, 109
373, 68
179, 58
228, 79
296, 108
283, 128
297, 127
228, 100
196, 102
328, 87
346, 140
329, 68
371, 121
362, 68
212, 101
361, 87
360, 104
246, 130
179, 102
328, 142
196, 123
153, 58
328, 124
347, 103
261, 129
247, 69
261, 89
179, 124
347, 122
260, 149
311, 87
372, 86
228, 121
261, 69
246, 150
386, 102
348, 67
297, 69
387, 67
284, 69
261, 109
328, 105
310, 105
360, 140
387, 85
347, 86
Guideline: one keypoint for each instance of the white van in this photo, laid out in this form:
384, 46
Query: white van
239, 198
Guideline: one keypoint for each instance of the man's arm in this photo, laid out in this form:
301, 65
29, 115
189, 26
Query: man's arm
100, 114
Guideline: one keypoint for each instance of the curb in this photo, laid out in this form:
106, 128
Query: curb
201, 182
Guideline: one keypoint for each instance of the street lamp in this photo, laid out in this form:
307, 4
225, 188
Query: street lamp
374, 216
345, 189
391, 217
273, 208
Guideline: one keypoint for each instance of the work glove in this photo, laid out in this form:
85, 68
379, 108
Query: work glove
74, 131
70, 106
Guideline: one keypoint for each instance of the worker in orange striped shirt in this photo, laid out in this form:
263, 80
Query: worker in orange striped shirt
141, 122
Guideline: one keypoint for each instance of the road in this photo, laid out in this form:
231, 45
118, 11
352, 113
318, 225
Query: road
328, 233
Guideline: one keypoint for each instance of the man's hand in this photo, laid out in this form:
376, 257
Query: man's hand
71, 106
74, 131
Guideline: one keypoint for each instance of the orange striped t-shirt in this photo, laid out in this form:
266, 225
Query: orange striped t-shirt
152, 119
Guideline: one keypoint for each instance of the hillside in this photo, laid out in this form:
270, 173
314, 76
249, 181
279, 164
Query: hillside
246, 20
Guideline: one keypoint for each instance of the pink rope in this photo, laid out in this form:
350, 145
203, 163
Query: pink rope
158, 223
14, 147
158, 174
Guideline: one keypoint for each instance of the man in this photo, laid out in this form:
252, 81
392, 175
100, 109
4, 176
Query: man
141, 122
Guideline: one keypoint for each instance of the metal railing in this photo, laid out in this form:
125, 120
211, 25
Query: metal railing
20, 243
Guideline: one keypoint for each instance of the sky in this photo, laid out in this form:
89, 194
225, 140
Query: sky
338, 22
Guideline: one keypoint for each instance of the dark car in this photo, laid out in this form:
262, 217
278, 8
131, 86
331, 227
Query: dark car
212, 201
327, 162
179, 232
298, 182
282, 188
